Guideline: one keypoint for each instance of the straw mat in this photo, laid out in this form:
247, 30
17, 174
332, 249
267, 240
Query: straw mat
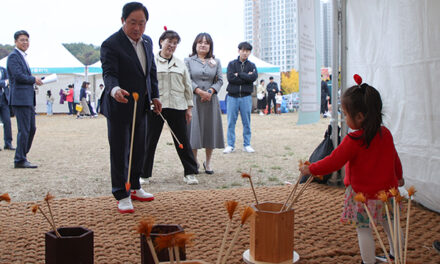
319, 236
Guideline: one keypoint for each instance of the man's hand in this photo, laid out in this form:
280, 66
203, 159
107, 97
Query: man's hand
157, 106
401, 182
120, 95
304, 169
7, 82
236, 74
38, 81
188, 115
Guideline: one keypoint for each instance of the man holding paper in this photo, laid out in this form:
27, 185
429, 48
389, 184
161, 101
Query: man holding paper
5, 115
22, 98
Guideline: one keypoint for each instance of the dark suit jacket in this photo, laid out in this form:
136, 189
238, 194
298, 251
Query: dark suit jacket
4, 89
121, 67
21, 80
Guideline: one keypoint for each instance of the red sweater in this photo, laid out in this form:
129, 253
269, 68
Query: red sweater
368, 170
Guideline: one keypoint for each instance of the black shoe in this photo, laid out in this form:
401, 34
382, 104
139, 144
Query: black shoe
436, 245
207, 171
384, 258
9, 147
25, 165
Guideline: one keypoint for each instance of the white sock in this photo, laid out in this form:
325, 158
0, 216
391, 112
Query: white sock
366, 245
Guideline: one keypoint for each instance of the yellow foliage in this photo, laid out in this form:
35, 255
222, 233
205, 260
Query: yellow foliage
289, 82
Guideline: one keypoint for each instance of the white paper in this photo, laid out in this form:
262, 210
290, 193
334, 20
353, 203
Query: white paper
50, 78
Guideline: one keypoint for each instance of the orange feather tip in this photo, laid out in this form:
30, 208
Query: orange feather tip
135, 96
5, 197
34, 208
411, 191
48, 197
164, 241
394, 191
382, 195
245, 175
145, 226
181, 146
184, 239
321, 177
230, 207
248, 212
127, 186
399, 198
360, 197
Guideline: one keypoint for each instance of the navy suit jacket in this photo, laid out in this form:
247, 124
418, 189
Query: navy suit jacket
21, 81
4, 89
121, 67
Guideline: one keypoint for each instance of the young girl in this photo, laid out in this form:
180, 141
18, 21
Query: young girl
279, 101
372, 164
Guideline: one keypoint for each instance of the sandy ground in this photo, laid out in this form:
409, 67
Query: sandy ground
73, 158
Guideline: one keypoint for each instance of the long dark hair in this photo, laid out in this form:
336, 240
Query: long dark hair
199, 38
364, 99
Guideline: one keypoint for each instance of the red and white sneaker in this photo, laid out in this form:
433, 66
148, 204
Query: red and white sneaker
141, 195
125, 206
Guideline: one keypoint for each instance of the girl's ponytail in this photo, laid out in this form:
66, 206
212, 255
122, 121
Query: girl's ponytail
365, 99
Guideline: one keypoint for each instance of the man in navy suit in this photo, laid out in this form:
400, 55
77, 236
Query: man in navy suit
5, 115
128, 66
22, 98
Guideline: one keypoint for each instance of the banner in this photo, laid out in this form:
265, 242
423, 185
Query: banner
309, 61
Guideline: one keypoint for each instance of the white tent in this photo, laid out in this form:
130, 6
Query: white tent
394, 46
47, 57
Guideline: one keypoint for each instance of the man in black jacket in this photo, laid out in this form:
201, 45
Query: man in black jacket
241, 77
272, 90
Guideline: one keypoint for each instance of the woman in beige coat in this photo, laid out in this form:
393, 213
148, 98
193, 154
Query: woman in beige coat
176, 95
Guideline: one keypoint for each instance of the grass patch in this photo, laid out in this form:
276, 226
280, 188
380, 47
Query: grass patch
224, 187
254, 166
287, 148
273, 179
235, 184
290, 153
275, 168
261, 170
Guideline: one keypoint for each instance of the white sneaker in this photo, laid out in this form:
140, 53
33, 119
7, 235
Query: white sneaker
190, 179
125, 206
141, 195
144, 180
248, 149
261, 113
228, 150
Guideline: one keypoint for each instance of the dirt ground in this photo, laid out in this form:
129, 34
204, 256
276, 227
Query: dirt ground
73, 158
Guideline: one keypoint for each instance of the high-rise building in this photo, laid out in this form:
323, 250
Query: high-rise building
271, 28
326, 33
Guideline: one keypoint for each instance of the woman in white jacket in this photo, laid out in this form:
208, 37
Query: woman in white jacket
176, 96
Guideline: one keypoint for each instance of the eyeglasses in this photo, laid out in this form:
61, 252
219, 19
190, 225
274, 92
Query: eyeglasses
23, 40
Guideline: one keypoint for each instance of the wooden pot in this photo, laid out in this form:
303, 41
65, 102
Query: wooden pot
74, 246
162, 255
271, 233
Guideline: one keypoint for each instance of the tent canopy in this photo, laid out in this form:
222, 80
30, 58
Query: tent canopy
393, 45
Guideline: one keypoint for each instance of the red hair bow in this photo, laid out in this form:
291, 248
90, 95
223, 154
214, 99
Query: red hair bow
357, 79
165, 28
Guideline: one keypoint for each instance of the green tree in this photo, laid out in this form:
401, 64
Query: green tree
85, 53
5, 50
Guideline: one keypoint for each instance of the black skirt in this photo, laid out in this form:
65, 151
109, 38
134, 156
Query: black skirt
261, 104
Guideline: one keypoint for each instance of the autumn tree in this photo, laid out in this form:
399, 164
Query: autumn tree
85, 53
289, 82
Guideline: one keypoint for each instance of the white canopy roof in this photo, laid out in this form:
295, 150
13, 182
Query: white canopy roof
46, 57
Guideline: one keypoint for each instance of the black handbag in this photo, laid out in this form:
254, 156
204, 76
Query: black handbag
324, 149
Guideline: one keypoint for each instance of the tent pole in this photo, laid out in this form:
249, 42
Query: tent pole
344, 77
334, 180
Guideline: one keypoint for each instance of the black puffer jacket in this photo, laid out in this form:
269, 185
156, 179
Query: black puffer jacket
242, 84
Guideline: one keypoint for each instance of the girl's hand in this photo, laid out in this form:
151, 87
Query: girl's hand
401, 182
304, 169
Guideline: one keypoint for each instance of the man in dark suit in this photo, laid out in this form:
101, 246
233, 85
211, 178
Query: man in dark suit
5, 114
22, 98
128, 66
